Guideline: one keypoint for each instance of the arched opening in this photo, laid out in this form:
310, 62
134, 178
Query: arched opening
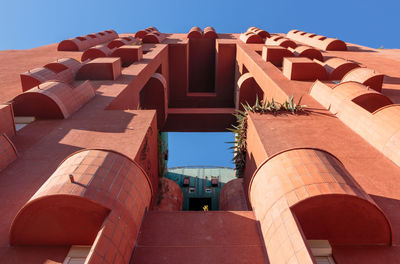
342, 220
153, 96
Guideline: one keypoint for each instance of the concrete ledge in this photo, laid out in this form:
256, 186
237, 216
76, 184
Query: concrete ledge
100, 69
128, 54
303, 69
275, 54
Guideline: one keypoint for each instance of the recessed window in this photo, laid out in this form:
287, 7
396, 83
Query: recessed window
322, 251
77, 255
22, 121
214, 181
186, 182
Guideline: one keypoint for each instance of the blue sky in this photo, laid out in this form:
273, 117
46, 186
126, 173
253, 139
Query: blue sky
191, 149
32, 23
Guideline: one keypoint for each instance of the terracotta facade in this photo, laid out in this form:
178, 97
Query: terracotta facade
83, 169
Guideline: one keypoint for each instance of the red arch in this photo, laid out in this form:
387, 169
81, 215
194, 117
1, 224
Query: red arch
195, 32
58, 220
372, 101
153, 96
42, 106
343, 220
248, 90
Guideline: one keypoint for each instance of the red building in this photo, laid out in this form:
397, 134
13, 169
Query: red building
80, 161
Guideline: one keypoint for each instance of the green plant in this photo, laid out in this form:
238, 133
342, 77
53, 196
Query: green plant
240, 128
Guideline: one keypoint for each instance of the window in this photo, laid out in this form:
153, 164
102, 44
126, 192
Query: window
77, 255
186, 182
322, 251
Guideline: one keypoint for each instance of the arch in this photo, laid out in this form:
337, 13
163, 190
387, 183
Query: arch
52, 100
317, 41
367, 225
154, 96
58, 220
195, 32
250, 37
338, 67
300, 181
365, 76
281, 41
276, 37
35, 77
346, 93
308, 52
232, 197
91, 193
286, 43
111, 34
248, 91
262, 33
116, 43
153, 37
73, 44
83, 42
210, 33
333, 44
96, 52
372, 101
140, 34
63, 64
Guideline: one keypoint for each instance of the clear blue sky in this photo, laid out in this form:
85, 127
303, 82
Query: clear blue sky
191, 149
32, 23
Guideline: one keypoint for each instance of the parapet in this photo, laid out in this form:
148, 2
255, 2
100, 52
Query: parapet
275, 54
317, 41
250, 37
98, 51
369, 113
307, 52
303, 69
365, 76
62, 70
84, 42
52, 99
209, 33
100, 69
337, 68
195, 32
116, 43
150, 35
280, 41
